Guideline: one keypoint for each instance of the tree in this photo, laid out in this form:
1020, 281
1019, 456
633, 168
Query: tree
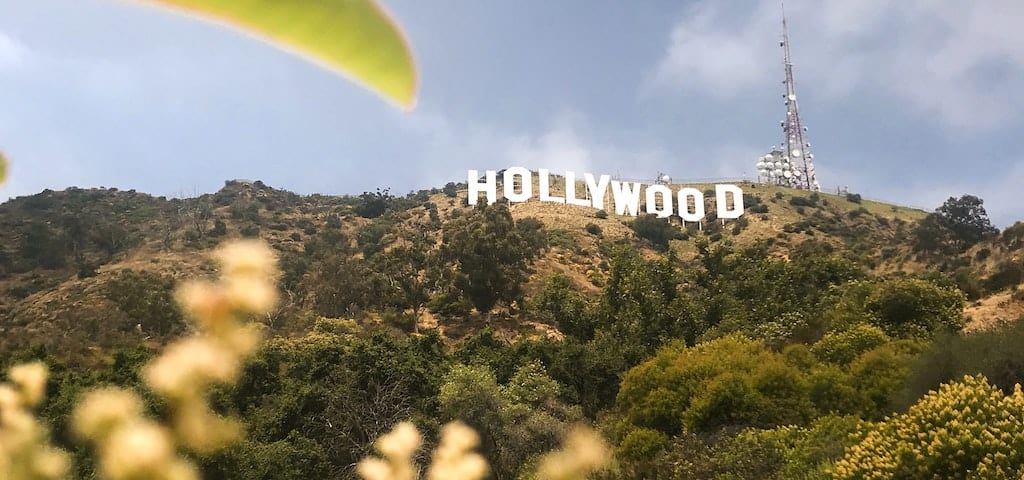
562, 303
411, 274
492, 253
373, 205
957, 225
516, 421
342, 286
450, 189
643, 302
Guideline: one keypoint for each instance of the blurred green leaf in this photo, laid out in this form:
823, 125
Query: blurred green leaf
353, 37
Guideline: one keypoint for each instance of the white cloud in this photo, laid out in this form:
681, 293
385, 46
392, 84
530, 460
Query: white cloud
959, 61
448, 148
12, 52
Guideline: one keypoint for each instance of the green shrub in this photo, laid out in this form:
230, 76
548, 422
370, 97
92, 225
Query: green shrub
801, 202
250, 230
147, 299
657, 231
593, 229
728, 382
559, 237
601, 214
853, 197
844, 346
966, 429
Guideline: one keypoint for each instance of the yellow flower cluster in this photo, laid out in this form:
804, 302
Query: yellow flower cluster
133, 447
454, 457
966, 429
24, 452
584, 452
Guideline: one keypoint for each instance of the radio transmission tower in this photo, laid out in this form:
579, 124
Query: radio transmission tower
792, 164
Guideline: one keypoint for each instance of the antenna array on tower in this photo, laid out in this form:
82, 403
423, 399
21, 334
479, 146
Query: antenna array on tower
792, 164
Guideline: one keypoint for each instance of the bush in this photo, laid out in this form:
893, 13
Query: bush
995, 353
147, 299
601, 214
853, 197
657, 231
728, 382
1008, 274
250, 230
842, 347
558, 237
593, 229
901, 306
219, 228
966, 429
801, 202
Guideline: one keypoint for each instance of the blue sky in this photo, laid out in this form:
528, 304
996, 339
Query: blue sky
910, 101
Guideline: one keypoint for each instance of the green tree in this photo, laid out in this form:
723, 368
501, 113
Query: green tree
644, 302
411, 275
957, 225
492, 253
342, 286
560, 302
518, 421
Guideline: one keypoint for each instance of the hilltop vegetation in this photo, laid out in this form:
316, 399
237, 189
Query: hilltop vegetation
762, 347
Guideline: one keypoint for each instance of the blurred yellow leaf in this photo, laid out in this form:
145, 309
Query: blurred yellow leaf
353, 37
3, 168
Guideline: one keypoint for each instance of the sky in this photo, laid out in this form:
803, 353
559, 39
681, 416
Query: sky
909, 101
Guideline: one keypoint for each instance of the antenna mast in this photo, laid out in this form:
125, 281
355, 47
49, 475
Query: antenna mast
792, 164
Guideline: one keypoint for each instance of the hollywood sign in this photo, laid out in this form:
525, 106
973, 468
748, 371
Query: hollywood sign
688, 203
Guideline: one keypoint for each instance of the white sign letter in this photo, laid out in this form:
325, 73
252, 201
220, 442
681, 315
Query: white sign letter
685, 195
626, 198
490, 186
737, 201
597, 190
666, 201
545, 187
526, 180
570, 191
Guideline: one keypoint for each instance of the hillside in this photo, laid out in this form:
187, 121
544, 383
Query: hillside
75, 265
760, 347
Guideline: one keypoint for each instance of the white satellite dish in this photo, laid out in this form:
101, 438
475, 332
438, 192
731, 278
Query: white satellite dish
796, 152
792, 97
787, 174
